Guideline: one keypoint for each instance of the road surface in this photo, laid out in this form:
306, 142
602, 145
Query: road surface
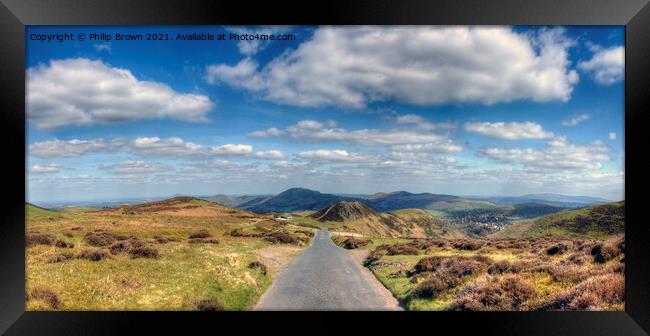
326, 277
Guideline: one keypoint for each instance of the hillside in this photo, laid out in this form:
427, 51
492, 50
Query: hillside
404, 200
598, 221
565, 201
226, 200
358, 217
32, 210
183, 206
294, 199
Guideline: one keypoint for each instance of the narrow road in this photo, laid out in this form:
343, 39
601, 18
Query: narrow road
326, 277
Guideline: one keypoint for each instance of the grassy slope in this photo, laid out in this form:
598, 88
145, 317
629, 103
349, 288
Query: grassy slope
596, 222
182, 275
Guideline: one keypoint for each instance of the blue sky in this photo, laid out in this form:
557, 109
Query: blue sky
456, 110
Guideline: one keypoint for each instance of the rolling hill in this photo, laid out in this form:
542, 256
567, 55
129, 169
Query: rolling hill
566, 201
360, 218
294, 199
598, 221
403, 200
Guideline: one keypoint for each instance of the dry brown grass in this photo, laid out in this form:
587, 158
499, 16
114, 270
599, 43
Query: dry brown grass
46, 295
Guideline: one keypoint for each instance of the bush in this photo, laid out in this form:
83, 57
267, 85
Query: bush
435, 285
202, 241
258, 265
352, 242
209, 305
93, 254
428, 264
59, 257
161, 240
508, 293
143, 252
468, 245
608, 250
402, 249
63, 244
119, 247
45, 294
557, 249
596, 293
99, 239
39, 239
201, 234
374, 256
281, 237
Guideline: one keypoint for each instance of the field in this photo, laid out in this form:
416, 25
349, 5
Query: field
548, 273
178, 254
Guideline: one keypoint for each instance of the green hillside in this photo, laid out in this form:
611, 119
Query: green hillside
596, 222
32, 210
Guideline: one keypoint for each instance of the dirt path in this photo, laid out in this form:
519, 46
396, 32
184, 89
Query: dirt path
326, 277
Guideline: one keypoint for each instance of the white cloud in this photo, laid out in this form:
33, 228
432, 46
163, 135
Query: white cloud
509, 131
232, 149
559, 154
271, 154
103, 47
353, 66
606, 66
314, 131
134, 167
270, 132
251, 47
83, 92
612, 135
446, 146
576, 120
61, 148
338, 155
154, 146
45, 169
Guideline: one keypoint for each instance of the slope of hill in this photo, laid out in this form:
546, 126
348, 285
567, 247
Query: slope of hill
294, 199
598, 221
34, 210
226, 200
404, 200
566, 201
183, 206
358, 217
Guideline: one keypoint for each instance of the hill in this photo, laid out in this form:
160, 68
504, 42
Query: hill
404, 200
294, 199
598, 221
566, 201
226, 200
358, 217
183, 206
32, 210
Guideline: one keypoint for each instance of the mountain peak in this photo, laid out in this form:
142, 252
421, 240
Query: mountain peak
343, 211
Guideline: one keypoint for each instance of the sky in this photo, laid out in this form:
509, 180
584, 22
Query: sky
491, 111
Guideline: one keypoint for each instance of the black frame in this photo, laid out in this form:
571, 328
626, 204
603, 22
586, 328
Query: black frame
16, 14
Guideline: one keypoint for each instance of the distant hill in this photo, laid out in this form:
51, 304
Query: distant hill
598, 221
403, 200
35, 210
183, 206
226, 200
294, 199
360, 218
548, 199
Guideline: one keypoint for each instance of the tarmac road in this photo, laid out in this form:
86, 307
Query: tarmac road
326, 277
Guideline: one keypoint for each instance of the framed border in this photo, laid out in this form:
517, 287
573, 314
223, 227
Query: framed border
16, 14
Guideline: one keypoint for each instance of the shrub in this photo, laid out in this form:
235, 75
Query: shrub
402, 249
93, 254
352, 242
39, 239
161, 240
468, 245
119, 247
374, 256
507, 293
306, 233
281, 237
556, 249
566, 273
428, 264
608, 250
258, 265
143, 252
433, 286
202, 241
45, 294
59, 257
209, 305
68, 234
63, 244
201, 234
596, 293
99, 239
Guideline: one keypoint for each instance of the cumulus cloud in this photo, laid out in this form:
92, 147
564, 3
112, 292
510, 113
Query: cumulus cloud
338, 155
271, 154
354, 66
576, 120
81, 91
315, 131
45, 169
155, 146
509, 131
270, 132
232, 149
134, 167
251, 47
606, 66
62, 148
612, 135
559, 154
446, 146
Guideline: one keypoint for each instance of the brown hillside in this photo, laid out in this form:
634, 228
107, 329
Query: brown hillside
184, 206
344, 211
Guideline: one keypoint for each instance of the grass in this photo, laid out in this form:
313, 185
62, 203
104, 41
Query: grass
312, 222
178, 279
